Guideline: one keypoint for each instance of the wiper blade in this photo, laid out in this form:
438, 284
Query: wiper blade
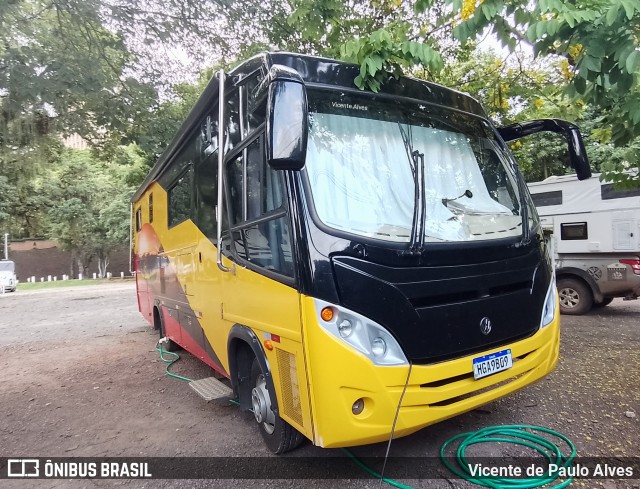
416, 244
416, 160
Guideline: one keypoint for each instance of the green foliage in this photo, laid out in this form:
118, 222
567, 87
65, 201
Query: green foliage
381, 54
519, 88
155, 129
25, 194
89, 213
621, 165
383, 36
598, 42
595, 44
63, 72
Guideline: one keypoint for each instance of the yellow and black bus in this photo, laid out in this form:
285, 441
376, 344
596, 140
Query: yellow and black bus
343, 256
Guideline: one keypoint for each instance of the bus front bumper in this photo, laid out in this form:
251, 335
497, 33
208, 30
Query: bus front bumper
339, 376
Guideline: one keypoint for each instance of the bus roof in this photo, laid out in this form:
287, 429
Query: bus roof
315, 71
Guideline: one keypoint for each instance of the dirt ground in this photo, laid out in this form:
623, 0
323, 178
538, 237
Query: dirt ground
80, 377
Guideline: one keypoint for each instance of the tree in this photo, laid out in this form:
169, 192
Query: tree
383, 36
89, 213
596, 43
25, 199
62, 71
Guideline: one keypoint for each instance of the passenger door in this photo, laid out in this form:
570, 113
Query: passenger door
261, 292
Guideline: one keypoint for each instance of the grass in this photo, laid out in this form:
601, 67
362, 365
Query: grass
67, 283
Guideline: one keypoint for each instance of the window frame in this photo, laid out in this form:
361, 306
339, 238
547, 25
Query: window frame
188, 170
281, 212
138, 218
608, 191
583, 224
151, 208
547, 198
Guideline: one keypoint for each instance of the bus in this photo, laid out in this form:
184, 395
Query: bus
358, 265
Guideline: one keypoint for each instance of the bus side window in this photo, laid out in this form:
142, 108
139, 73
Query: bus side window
180, 199
206, 173
138, 219
233, 133
263, 239
150, 207
254, 110
235, 180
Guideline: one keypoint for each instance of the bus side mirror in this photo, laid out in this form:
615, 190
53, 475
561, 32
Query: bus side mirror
287, 123
577, 153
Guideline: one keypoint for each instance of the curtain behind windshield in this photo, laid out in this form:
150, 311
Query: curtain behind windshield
360, 172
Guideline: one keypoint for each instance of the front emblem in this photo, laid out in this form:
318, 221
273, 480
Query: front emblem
485, 325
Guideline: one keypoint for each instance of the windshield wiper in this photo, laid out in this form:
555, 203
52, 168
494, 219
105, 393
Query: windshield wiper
420, 202
416, 160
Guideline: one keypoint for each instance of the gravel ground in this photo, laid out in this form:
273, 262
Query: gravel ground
80, 377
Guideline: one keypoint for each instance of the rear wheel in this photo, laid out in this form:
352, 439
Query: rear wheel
279, 436
575, 296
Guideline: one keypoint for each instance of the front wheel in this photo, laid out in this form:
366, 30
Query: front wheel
575, 297
279, 435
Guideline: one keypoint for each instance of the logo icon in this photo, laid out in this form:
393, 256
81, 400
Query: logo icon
23, 467
485, 325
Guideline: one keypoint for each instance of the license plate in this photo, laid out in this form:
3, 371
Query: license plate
491, 364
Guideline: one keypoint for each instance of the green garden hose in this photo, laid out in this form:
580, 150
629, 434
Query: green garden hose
519, 434
524, 435
170, 362
372, 472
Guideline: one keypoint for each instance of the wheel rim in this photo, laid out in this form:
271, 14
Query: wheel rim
261, 403
569, 297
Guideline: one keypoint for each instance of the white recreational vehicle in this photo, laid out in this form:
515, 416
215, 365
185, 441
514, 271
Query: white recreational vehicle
596, 231
8, 279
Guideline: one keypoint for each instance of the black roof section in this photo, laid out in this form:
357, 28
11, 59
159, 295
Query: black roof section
314, 70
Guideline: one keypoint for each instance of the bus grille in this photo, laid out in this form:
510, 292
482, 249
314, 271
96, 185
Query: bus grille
289, 380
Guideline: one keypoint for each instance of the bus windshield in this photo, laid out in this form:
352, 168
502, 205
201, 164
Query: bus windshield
361, 170
7, 266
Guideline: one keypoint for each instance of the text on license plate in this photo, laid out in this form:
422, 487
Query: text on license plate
490, 364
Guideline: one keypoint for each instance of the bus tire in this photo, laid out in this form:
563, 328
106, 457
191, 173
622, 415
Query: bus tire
575, 297
279, 436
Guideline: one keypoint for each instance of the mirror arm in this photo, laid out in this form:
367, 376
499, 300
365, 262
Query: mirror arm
221, 128
577, 151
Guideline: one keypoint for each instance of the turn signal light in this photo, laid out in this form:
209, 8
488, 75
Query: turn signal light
326, 314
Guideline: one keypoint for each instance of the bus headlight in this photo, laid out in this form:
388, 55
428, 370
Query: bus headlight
549, 309
361, 333
378, 347
345, 328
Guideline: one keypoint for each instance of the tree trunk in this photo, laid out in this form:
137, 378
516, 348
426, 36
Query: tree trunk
103, 263
73, 260
80, 267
